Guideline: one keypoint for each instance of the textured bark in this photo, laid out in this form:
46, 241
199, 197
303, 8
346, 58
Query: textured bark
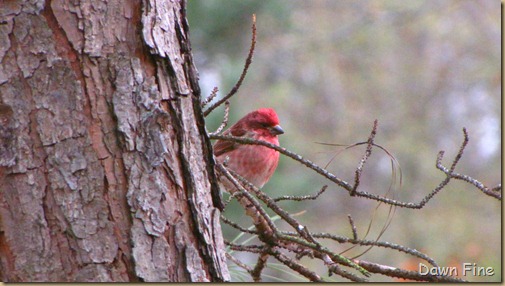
105, 167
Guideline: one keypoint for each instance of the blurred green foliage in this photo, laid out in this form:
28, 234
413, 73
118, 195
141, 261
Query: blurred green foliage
424, 69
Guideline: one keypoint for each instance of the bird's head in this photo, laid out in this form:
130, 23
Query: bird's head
263, 122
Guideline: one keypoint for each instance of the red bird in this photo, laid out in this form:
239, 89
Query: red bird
255, 163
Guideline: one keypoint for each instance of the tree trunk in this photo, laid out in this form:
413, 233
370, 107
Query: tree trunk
106, 170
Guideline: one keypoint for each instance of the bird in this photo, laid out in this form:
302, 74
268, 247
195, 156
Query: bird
255, 163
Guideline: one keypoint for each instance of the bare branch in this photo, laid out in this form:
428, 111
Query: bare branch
210, 97
302, 242
290, 154
490, 192
460, 152
312, 276
368, 152
260, 218
389, 245
236, 226
353, 227
319, 251
405, 274
238, 262
248, 62
273, 206
260, 265
451, 174
246, 248
308, 240
496, 189
301, 198
334, 268
225, 119
345, 184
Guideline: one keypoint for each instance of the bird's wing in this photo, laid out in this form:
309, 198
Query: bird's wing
224, 146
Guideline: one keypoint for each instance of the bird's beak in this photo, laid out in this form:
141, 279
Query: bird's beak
276, 130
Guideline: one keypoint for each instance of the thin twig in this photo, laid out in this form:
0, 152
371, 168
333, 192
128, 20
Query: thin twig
248, 62
234, 225
312, 276
384, 244
460, 152
238, 262
318, 250
302, 230
260, 217
451, 174
496, 189
353, 227
246, 248
368, 152
302, 198
225, 119
334, 268
210, 97
260, 265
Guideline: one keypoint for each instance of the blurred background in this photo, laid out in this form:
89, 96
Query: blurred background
423, 69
